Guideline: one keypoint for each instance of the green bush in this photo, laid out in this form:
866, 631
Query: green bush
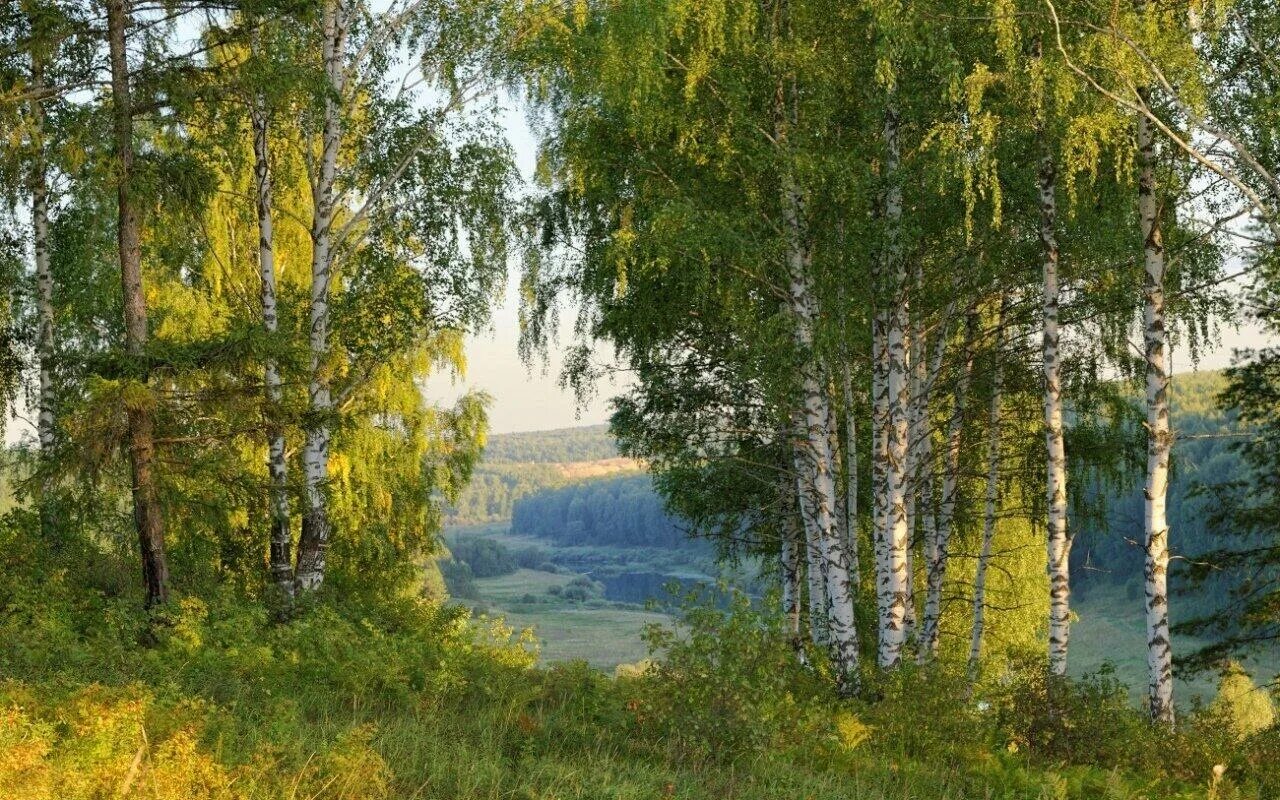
1240, 704
459, 579
727, 685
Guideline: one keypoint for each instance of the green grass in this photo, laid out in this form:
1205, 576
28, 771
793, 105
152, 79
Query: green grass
602, 635
508, 589
1111, 629
214, 700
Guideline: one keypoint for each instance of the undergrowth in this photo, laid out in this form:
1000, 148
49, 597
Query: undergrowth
215, 699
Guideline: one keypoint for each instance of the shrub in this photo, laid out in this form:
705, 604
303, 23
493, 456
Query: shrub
1240, 704
485, 557
726, 686
459, 579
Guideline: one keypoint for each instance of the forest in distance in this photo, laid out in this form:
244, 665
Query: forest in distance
897, 289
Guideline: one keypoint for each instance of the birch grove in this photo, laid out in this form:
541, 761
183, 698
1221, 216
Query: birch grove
876, 306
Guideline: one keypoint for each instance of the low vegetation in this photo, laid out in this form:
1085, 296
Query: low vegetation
210, 698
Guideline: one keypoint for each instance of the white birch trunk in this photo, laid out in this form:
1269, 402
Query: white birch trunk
815, 567
993, 497
1159, 438
1059, 541
892, 623
917, 456
880, 448
837, 461
315, 455
815, 459
278, 501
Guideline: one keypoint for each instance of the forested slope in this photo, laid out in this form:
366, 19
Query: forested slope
518, 464
611, 512
1110, 520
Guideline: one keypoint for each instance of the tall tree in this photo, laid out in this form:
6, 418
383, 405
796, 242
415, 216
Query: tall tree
1159, 435
147, 515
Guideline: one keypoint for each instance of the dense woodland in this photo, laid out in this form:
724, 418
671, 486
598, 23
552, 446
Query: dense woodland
898, 289
587, 443
611, 512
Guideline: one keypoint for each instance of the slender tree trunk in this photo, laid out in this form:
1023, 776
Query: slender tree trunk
814, 459
993, 496
836, 447
1159, 437
880, 420
281, 540
45, 423
316, 526
1059, 541
941, 551
815, 566
919, 447
790, 566
146, 507
816, 462
892, 624
851, 478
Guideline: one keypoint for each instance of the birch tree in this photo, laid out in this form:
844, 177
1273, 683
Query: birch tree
1159, 435
389, 148
992, 500
897, 536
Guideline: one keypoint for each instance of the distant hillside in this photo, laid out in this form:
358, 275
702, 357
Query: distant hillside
1107, 547
621, 511
519, 464
560, 446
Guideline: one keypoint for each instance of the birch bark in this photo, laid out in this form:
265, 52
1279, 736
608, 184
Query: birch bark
919, 445
880, 420
281, 560
851, 478
892, 623
1159, 437
790, 566
815, 459
316, 526
815, 566
1059, 541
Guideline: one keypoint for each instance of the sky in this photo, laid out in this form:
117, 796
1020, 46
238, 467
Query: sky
524, 398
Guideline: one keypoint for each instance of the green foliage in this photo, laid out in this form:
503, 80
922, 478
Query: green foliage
215, 700
726, 686
584, 443
621, 511
1240, 705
